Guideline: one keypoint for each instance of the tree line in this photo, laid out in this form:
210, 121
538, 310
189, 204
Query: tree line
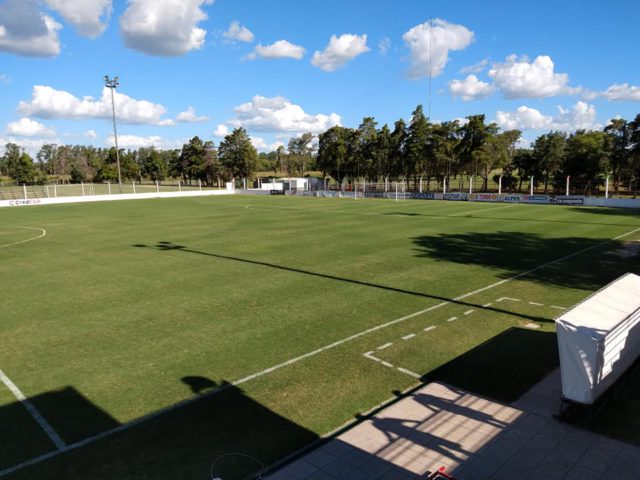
442, 151
420, 149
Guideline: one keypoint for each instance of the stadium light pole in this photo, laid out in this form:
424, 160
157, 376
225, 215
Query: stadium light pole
112, 84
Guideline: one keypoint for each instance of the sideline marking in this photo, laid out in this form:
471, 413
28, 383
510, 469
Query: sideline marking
536, 304
469, 312
487, 305
558, 308
408, 337
428, 329
453, 319
386, 345
37, 416
187, 401
43, 232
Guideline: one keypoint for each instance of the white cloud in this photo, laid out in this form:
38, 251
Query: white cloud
91, 134
238, 33
476, 67
470, 88
31, 145
5, 79
520, 78
47, 102
25, 127
430, 44
277, 114
279, 49
221, 131
164, 27
189, 116
135, 141
384, 45
622, 92
579, 116
89, 17
262, 146
25, 30
340, 51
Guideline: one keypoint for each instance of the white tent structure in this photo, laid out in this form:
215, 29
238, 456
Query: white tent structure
599, 339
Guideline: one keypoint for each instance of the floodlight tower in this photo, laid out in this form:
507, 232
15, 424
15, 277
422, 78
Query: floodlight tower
112, 84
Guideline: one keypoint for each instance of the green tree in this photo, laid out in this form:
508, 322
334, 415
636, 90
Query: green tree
619, 132
300, 153
153, 165
398, 151
550, 151
19, 165
586, 160
237, 154
418, 144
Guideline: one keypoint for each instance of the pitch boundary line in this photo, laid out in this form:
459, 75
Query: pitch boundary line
347, 212
291, 361
42, 234
37, 416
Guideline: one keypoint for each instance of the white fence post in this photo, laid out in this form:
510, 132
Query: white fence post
55, 190
133, 182
531, 186
420, 189
606, 188
82, 185
470, 184
109, 186
444, 185
157, 186
500, 185
24, 189
396, 182
568, 177
179, 185
46, 188
199, 184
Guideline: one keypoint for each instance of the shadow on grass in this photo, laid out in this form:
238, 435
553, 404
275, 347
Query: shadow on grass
511, 253
503, 368
168, 246
615, 212
178, 442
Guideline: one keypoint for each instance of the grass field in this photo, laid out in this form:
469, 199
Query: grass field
283, 317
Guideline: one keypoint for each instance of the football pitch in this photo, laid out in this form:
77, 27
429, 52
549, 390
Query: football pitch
146, 338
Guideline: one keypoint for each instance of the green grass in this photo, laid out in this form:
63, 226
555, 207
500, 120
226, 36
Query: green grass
127, 308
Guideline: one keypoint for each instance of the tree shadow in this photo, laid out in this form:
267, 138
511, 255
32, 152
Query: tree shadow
511, 253
503, 368
609, 211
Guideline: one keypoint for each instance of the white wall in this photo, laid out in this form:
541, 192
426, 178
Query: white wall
109, 198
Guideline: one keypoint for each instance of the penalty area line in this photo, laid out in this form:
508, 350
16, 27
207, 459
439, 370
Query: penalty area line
304, 356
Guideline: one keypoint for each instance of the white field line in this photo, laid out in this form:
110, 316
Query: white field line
42, 231
409, 372
452, 319
503, 299
487, 305
469, 312
479, 211
557, 307
536, 304
126, 426
386, 345
409, 337
428, 329
37, 416
348, 212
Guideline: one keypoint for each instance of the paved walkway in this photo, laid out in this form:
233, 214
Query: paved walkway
473, 438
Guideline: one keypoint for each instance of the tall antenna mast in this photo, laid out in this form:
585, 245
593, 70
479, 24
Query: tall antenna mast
430, 55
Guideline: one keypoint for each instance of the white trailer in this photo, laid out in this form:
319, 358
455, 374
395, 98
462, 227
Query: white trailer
599, 339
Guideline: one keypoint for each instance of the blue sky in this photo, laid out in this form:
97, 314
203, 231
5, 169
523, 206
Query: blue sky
186, 70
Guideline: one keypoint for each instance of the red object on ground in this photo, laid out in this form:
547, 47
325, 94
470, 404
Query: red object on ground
439, 474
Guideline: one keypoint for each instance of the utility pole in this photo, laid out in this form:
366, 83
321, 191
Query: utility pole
112, 84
